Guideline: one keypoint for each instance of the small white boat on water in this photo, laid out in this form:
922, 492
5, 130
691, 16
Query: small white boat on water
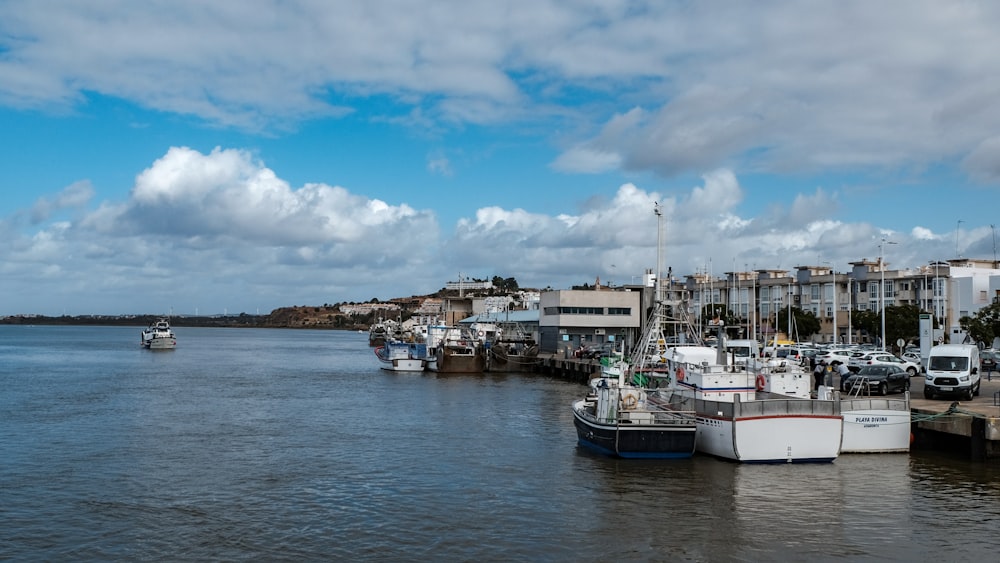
402, 356
158, 336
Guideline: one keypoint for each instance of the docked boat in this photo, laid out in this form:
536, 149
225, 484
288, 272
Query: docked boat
874, 424
512, 354
158, 336
382, 332
402, 356
454, 350
740, 419
622, 420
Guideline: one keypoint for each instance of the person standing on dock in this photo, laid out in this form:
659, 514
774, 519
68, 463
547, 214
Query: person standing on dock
818, 369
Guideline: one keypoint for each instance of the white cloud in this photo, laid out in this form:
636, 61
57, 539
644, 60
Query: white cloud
923, 233
222, 230
74, 196
586, 161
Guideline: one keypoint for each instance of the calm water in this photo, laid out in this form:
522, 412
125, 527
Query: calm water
293, 445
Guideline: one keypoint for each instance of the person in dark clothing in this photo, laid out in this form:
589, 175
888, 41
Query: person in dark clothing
818, 370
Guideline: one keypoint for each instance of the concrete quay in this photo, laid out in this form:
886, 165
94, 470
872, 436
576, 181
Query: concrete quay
966, 428
970, 428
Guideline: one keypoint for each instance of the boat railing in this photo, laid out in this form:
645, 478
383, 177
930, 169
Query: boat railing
877, 403
712, 369
656, 416
778, 407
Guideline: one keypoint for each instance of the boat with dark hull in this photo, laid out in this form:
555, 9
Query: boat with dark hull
512, 355
629, 422
452, 349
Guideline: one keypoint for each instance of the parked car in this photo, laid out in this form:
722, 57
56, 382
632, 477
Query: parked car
853, 360
878, 378
884, 358
988, 360
600, 351
834, 354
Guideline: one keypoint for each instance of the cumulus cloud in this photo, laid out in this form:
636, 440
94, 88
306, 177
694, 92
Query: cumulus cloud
222, 230
215, 222
74, 196
983, 162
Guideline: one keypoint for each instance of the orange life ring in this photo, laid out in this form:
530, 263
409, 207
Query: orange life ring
761, 382
481, 334
680, 374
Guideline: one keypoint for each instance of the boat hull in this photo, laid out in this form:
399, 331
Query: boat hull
459, 361
636, 440
876, 425
405, 364
767, 430
771, 439
160, 343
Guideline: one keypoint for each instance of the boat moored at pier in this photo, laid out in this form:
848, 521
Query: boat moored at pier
740, 423
625, 421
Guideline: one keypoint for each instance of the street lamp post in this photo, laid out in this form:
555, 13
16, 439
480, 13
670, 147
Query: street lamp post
850, 309
881, 290
833, 273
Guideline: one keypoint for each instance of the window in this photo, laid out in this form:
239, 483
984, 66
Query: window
619, 310
890, 290
574, 310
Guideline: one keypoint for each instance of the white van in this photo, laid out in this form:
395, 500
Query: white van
952, 369
740, 350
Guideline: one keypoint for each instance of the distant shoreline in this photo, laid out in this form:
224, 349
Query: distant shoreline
234, 321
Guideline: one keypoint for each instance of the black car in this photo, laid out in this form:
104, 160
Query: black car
988, 361
878, 378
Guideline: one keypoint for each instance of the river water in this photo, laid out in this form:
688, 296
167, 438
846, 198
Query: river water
283, 445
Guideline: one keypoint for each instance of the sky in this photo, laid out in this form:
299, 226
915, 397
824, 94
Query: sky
187, 157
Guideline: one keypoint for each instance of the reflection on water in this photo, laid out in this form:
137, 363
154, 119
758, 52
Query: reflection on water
291, 445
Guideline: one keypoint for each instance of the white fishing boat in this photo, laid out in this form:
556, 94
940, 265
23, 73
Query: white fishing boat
871, 424
737, 421
874, 424
158, 336
402, 356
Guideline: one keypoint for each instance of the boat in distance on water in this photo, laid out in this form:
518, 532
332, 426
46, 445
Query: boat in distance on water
158, 336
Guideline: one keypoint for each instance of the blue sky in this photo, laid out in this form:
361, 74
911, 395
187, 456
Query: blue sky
181, 157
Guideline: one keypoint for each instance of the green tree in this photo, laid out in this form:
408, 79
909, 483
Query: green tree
901, 322
805, 323
866, 322
984, 326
